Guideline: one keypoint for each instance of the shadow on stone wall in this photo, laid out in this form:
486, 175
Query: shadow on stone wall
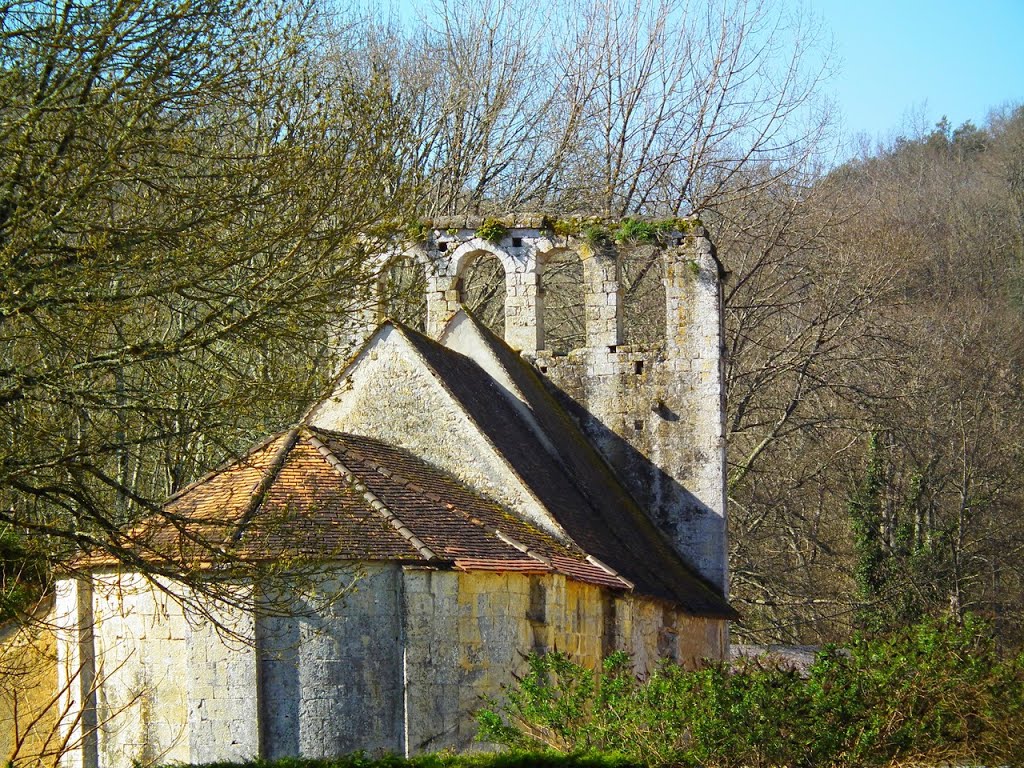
680, 515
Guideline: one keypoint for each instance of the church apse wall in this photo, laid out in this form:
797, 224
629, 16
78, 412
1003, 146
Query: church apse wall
402, 663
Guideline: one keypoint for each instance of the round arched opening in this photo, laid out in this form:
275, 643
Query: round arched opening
482, 290
564, 317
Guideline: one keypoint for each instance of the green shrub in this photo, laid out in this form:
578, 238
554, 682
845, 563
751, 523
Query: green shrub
511, 759
418, 231
934, 692
492, 230
596, 235
636, 231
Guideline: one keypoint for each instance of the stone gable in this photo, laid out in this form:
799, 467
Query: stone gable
457, 501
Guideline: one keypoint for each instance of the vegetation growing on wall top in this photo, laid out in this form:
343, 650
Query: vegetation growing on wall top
593, 230
492, 230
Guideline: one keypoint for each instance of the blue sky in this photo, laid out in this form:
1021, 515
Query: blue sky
903, 64
906, 60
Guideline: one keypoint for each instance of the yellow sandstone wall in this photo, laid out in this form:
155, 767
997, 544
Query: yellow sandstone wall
28, 683
469, 635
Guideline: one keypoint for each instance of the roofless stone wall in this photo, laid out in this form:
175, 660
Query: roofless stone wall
655, 410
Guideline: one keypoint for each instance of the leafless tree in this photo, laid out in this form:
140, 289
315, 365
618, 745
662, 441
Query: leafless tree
185, 196
605, 106
897, 317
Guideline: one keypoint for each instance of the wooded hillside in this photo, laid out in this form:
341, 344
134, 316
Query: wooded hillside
875, 410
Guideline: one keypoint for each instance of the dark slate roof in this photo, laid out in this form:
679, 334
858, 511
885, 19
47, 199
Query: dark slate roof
576, 485
314, 493
317, 494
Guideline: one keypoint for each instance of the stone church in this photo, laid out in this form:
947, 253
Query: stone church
458, 500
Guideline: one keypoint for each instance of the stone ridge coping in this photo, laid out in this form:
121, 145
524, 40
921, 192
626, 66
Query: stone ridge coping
541, 221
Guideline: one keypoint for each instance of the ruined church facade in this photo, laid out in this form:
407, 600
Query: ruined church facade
655, 412
467, 499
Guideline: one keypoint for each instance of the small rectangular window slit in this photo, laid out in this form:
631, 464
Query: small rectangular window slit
638, 367
638, 425
517, 242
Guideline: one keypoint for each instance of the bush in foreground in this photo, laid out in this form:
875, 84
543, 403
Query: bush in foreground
510, 759
935, 693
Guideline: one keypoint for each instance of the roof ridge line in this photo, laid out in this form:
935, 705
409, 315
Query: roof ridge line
401, 479
549, 562
276, 464
504, 538
412, 485
534, 420
523, 548
493, 530
375, 502
609, 570
557, 531
224, 465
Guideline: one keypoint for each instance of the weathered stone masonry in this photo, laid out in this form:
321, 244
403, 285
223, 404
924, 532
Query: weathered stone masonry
400, 664
459, 506
656, 413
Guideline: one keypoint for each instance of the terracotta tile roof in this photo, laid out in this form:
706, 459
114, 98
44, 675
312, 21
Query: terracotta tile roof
573, 482
434, 504
506, 566
311, 493
586, 571
321, 495
280, 500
